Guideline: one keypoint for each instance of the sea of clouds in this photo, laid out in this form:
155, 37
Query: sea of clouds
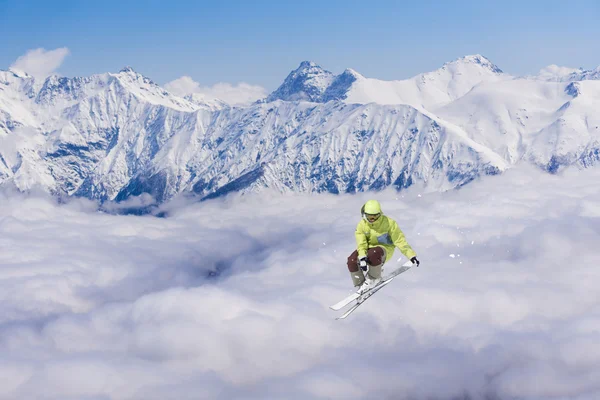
228, 298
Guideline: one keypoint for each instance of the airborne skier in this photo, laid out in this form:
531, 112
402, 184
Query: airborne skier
377, 236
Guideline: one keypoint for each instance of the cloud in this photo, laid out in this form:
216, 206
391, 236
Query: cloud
240, 94
229, 298
555, 71
183, 86
41, 63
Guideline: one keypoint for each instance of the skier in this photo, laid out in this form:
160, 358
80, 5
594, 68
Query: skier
377, 236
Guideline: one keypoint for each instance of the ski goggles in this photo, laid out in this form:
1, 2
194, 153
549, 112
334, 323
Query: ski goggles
372, 217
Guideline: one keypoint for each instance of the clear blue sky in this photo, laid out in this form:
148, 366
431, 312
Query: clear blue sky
260, 42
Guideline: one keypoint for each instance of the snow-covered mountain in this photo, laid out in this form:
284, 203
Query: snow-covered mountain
562, 74
544, 122
308, 82
112, 136
453, 80
207, 102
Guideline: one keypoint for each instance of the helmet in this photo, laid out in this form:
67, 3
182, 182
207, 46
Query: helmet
372, 207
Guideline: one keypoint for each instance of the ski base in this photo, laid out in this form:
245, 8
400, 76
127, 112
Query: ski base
364, 298
361, 298
344, 302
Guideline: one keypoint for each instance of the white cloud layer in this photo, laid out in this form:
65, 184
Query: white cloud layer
182, 86
556, 71
228, 299
41, 63
240, 94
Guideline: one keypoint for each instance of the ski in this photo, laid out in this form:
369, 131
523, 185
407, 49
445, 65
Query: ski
364, 298
344, 302
356, 296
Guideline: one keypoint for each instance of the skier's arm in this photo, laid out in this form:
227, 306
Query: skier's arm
400, 241
361, 241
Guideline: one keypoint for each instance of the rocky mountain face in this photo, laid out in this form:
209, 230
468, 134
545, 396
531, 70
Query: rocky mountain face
113, 136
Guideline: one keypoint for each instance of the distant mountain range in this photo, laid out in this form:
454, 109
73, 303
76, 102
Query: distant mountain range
112, 136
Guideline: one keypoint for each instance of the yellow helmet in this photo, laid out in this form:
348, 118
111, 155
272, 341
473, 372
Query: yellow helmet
371, 207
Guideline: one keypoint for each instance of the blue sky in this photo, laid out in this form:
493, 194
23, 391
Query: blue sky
260, 42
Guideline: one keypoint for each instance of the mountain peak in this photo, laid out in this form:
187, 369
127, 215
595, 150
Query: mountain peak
567, 74
18, 73
307, 64
341, 85
128, 74
351, 72
128, 70
309, 68
307, 82
477, 59
584, 75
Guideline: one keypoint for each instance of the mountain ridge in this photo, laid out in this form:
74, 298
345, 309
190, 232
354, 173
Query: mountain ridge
115, 135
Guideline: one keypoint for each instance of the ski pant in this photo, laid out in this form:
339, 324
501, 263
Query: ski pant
375, 257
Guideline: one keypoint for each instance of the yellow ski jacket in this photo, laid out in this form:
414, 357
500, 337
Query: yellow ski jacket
385, 233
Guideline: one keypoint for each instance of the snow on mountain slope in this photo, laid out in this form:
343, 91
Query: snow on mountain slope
308, 82
148, 91
19, 161
499, 114
60, 92
548, 123
565, 74
574, 137
428, 90
78, 121
158, 141
112, 136
345, 148
209, 103
330, 147
16, 91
